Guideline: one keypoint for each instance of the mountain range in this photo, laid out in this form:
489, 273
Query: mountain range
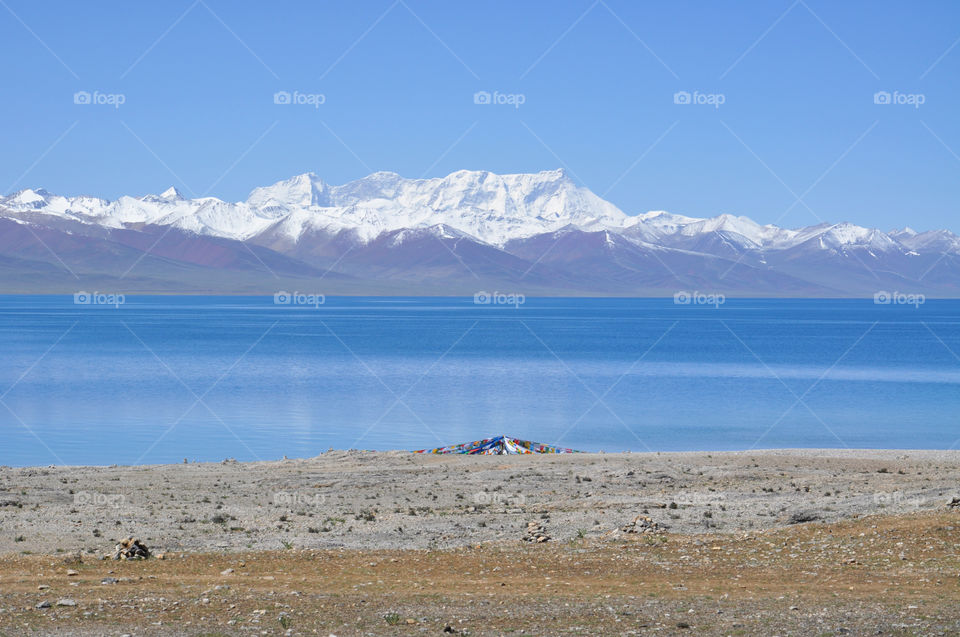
466, 232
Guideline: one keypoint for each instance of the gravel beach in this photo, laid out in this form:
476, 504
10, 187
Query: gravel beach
390, 543
400, 500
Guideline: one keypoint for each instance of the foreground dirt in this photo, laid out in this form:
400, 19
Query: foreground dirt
878, 575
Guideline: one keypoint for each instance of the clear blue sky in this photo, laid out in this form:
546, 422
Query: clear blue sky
598, 80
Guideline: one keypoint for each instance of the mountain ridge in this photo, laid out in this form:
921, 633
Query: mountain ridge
365, 229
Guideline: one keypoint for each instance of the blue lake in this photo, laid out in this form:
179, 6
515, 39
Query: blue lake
160, 379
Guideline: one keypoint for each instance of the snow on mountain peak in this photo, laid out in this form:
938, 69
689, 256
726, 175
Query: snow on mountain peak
906, 231
171, 193
300, 191
494, 208
30, 198
489, 207
843, 234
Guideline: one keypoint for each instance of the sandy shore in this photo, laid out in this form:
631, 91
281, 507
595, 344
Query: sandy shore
398, 500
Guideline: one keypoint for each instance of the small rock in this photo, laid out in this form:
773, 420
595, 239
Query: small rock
227, 571
71, 573
131, 549
802, 517
66, 601
43, 604
642, 524
106, 581
536, 533
42, 587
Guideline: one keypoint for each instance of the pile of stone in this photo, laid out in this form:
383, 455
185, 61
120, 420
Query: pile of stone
536, 532
131, 549
954, 503
642, 524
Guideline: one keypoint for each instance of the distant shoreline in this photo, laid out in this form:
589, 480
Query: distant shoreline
811, 452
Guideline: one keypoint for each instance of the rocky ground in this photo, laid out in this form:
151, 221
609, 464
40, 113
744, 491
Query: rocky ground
398, 500
883, 575
747, 543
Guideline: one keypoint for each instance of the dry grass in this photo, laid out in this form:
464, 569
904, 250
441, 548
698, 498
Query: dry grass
894, 574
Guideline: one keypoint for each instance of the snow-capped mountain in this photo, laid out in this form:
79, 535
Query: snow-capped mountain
537, 230
492, 208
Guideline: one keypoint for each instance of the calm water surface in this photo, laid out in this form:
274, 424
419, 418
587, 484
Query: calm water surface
160, 379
